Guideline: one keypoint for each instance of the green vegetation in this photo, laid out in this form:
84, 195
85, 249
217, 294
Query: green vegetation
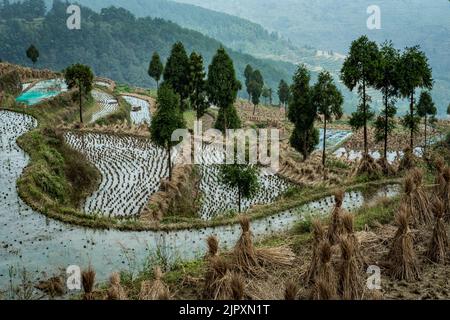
361, 71
80, 76
112, 43
167, 119
328, 102
197, 85
156, 68
243, 177
222, 87
426, 109
283, 93
414, 73
32, 54
302, 113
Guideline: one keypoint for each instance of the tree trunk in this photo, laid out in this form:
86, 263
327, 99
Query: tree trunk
239, 200
169, 161
385, 124
81, 105
366, 149
324, 142
411, 110
425, 147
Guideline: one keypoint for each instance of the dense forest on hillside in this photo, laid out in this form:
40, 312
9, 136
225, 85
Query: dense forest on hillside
113, 42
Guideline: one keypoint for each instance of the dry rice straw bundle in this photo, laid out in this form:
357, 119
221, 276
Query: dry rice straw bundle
335, 229
437, 251
156, 289
88, 282
318, 238
245, 256
116, 291
402, 257
291, 291
325, 284
416, 199
350, 279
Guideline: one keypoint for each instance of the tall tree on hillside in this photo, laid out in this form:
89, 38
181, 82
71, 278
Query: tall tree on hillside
167, 119
361, 69
256, 86
156, 68
328, 100
267, 95
222, 87
426, 109
388, 83
248, 73
415, 73
81, 76
177, 70
283, 93
302, 113
244, 177
197, 83
33, 54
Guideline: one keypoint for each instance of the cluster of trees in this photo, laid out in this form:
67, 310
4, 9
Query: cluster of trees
396, 75
111, 42
186, 76
307, 103
254, 83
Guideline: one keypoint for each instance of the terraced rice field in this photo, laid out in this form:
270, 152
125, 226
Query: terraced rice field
131, 169
392, 156
42, 90
140, 110
334, 137
43, 246
108, 105
218, 198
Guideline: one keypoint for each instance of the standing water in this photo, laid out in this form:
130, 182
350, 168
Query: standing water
32, 241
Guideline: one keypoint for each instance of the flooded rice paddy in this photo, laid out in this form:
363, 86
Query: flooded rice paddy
30, 240
42, 90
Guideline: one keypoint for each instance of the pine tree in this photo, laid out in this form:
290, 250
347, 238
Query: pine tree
167, 119
222, 88
256, 86
156, 68
248, 73
414, 73
197, 84
81, 76
177, 70
361, 69
328, 101
425, 109
283, 93
388, 83
33, 54
302, 113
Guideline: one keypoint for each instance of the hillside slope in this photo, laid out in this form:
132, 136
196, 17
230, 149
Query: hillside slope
114, 43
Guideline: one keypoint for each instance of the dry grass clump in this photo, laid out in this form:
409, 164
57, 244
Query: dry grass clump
417, 202
156, 289
402, 257
291, 291
408, 161
318, 238
237, 287
445, 193
350, 280
88, 282
437, 251
325, 283
116, 291
54, 286
213, 246
245, 256
385, 167
251, 260
367, 165
349, 234
335, 229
